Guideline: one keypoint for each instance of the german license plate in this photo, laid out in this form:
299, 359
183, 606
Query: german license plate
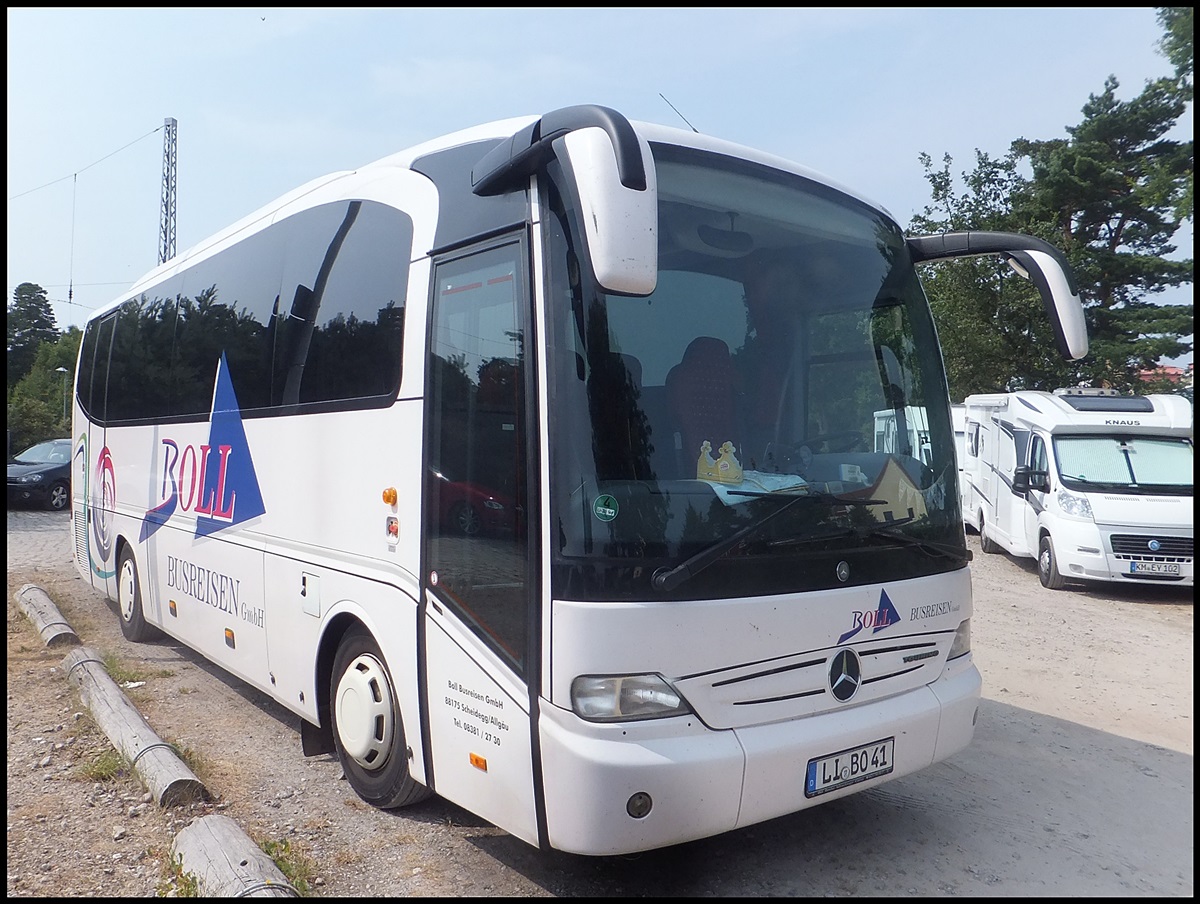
849, 767
1154, 568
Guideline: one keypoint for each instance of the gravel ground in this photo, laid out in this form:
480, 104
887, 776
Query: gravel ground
1079, 781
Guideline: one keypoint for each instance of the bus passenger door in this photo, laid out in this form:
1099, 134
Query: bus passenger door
478, 586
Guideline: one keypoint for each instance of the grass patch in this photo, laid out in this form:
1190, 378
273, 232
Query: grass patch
121, 673
346, 857
107, 766
296, 865
176, 882
194, 760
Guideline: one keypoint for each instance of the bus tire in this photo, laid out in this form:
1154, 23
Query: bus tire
986, 543
129, 600
367, 730
1048, 572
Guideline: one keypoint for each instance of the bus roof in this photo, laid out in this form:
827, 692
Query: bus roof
491, 131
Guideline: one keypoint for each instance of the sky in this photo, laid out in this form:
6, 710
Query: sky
266, 99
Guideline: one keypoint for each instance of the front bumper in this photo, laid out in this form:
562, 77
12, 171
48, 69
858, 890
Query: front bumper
704, 782
1085, 551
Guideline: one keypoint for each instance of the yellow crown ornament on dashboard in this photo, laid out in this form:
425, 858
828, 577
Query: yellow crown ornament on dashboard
725, 469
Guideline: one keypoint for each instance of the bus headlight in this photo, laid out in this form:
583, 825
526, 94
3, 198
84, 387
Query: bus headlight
1075, 506
613, 698
962, 640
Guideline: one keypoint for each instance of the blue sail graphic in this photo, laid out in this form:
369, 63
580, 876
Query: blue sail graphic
230, 492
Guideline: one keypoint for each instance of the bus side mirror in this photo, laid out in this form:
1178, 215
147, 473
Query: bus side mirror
1034, 259
1052, 276
610, 171
620, 223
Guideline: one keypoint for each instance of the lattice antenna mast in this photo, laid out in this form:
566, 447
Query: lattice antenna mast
166, 227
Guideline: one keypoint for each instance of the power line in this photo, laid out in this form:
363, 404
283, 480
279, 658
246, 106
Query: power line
121, 282
89, 166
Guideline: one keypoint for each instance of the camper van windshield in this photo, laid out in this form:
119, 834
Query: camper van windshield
788, 350
1132, 462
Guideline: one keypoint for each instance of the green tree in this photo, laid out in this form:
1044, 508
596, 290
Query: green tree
30, 323
994, 332
1177, 45
1111, 197
39, 404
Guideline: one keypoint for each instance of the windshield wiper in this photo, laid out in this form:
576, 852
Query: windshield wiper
886, 531
669, 578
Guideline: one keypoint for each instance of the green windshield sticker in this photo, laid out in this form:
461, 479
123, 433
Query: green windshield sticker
605, 507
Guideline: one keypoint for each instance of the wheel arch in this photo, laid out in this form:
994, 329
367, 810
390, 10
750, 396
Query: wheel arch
327, 648
111, 587
318, 738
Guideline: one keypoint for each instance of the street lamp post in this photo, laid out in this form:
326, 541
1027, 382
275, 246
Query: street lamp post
64, 372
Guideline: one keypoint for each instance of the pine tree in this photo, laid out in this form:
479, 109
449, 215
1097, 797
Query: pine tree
1112, 196
30, 322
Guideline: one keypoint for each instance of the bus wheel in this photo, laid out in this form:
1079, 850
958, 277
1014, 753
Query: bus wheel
986, 543
367, 729
1048, 572
129, 600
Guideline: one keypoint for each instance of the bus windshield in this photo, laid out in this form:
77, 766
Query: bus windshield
787, 326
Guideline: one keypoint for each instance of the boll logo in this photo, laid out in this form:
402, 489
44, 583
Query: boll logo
884, 616
216, 480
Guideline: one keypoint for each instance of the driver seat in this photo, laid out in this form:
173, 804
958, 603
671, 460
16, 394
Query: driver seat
703, 391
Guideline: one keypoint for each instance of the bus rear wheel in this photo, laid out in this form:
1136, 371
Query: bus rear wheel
367, 730
129, 600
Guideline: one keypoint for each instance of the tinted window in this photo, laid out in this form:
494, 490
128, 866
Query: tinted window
308, 311
476, 492
345, 274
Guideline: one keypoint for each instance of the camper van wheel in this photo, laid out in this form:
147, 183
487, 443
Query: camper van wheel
986, 543
1048, 572
129, 600
367, 730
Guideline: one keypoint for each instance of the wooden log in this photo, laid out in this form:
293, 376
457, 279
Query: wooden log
157, 764
45, 616
227, 863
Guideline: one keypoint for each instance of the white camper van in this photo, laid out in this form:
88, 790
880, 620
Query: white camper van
903, 431
958, 418
1096, 485
890, 434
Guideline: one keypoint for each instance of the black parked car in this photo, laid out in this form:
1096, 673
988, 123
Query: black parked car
41, 475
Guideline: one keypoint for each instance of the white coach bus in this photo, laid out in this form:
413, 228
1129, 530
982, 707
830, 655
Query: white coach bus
533, 467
